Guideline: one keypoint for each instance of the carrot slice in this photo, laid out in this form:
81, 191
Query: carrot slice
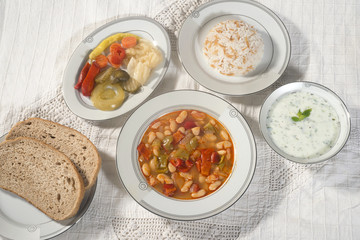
128, 42
114, 60
115, 48
101, 60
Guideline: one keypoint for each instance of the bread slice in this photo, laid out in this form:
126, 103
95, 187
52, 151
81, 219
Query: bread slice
67, 140
41, 175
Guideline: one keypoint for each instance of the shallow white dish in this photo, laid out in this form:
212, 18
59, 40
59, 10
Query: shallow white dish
134, 181
276, 46
21, 220
325, 93
143, 27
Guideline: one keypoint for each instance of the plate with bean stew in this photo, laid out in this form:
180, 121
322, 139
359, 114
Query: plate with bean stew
186, 155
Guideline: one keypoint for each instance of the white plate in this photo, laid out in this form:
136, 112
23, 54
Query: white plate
276, 46
320, 90
21, 220
134, 181
141, 26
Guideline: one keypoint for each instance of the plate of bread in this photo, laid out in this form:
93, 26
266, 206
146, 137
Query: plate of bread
48, 178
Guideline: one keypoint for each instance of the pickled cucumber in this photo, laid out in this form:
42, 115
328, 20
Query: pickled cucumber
130, 85
119, 76
104, 75
107, 96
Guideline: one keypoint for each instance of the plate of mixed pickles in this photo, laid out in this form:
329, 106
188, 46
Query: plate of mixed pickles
116, 68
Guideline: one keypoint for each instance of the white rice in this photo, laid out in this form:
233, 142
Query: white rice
233, 47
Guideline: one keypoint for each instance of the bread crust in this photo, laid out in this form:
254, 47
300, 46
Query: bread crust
77, 175
91, 181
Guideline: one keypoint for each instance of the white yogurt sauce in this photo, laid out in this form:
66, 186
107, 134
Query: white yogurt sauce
311, 137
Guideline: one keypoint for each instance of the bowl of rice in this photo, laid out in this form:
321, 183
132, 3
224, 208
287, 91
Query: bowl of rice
233, 48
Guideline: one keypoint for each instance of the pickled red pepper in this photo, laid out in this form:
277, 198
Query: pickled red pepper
89, 81
82, 76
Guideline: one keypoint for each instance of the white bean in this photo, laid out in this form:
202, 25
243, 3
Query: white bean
198, 115
221, 152
156, 151
171, 168
211, 178
227, 144
182, 130
214, 185
201, 178
224, 135
182, 116
186, 186
153, 181
151, 137
186, 175
167, 128
146, 169
160, 135
228, 154
199, 193
220, 145
156, 125
196, 130
210, 137
164, 179
212, 121
153, 163
173, 125
167, 132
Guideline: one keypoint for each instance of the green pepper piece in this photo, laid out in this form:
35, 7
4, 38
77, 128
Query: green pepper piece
156, 143
221, 163
182, 154
209, 128
192, 144
167, 143
162, 170
163, 161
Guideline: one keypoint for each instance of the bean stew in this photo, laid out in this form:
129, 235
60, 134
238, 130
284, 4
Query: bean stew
186, 154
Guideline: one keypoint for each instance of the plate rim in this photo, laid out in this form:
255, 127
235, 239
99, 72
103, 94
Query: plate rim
104, 26
303, 83
234, 199
257, 4
78, 216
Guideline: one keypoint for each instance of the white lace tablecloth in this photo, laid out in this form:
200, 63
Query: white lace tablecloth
284, 201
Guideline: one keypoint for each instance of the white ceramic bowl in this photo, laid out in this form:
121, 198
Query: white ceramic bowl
325, 93
194, 209
277, 46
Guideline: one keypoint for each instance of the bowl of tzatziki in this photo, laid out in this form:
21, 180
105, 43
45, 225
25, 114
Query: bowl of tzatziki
305, 122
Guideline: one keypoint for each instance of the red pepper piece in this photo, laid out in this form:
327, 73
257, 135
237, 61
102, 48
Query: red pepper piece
189, 124
89, 81
82, 75
198, 164
144, 151
206, 161
176, 162
178, 136
215, 157
189, 163
185, 166
169, 189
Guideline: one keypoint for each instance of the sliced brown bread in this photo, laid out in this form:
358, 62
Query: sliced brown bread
73, 144
41, 175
